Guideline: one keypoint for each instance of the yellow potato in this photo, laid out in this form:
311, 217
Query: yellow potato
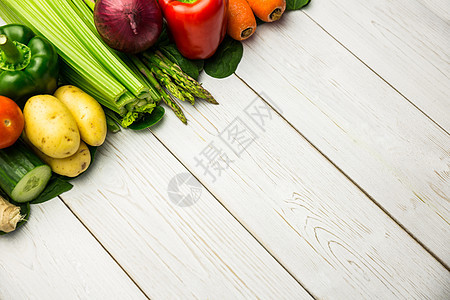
88, 114
50, 126
70, 166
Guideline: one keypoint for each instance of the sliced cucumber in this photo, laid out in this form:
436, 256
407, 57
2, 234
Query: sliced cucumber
23, 175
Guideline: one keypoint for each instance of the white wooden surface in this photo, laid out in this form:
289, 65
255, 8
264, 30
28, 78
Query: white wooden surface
342, 193
318, 224
388, 147
405, 42
171, 251
55, 257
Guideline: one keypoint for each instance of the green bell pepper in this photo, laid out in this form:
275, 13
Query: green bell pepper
28, 64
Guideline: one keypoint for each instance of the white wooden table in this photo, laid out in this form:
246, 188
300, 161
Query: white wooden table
323, 173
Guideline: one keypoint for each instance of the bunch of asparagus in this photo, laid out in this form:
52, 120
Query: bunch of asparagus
170, 81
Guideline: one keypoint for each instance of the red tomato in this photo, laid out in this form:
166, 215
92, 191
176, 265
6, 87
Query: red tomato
11, 122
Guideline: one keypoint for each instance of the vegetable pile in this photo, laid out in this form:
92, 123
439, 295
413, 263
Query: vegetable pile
113, 79
78, 68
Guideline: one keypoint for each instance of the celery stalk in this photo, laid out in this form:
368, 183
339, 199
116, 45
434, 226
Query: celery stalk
69, 48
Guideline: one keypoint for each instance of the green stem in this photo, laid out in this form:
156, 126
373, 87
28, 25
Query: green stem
139, 69
90, 4
11, 53
181, 78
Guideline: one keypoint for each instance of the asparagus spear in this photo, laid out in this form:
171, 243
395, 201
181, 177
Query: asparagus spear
174, 106
188, 96
164, 96
181, 78
166, 81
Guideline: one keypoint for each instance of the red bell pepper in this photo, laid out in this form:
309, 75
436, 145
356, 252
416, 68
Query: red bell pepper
197, 26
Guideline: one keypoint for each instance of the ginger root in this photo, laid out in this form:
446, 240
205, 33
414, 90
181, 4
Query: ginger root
9, 216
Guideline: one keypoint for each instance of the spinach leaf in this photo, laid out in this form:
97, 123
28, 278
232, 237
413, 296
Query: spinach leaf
25, 210
188, 66
296, 4
226, 59
259, 21
163, 38
148, 119
55, 187
200, 63
92, 150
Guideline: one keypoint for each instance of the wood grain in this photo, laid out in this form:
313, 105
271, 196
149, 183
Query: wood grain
440, 7
319, 225
389, 148
171, 251
54, 257
406, 42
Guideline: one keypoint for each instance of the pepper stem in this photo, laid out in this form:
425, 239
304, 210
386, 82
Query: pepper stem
14, 56
11, 53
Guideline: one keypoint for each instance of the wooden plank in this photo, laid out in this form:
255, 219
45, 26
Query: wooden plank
319, 225
170, 249
54, 257
390, 149
406, 42
440, 7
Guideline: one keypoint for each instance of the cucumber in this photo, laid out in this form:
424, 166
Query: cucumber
23, 175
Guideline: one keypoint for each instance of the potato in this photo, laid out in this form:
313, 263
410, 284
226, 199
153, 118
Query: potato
88, 114
70, 166
50, 126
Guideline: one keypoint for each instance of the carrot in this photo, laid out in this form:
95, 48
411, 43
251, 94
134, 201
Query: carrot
268, 10
241, 21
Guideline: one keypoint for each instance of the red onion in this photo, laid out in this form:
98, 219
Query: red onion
129, 26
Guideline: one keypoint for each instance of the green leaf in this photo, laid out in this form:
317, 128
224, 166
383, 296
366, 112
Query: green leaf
200, 63
92, 150
226, 59
259, 22
55, 187
163, 38
148, 119
188, 66
296, 4
25, 210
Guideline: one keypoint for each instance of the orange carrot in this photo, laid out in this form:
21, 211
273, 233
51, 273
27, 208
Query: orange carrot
268, 10
241, 21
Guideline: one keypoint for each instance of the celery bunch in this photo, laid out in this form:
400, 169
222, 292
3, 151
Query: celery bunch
88, 62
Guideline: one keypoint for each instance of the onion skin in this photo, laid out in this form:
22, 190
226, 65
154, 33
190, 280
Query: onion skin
129, 26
